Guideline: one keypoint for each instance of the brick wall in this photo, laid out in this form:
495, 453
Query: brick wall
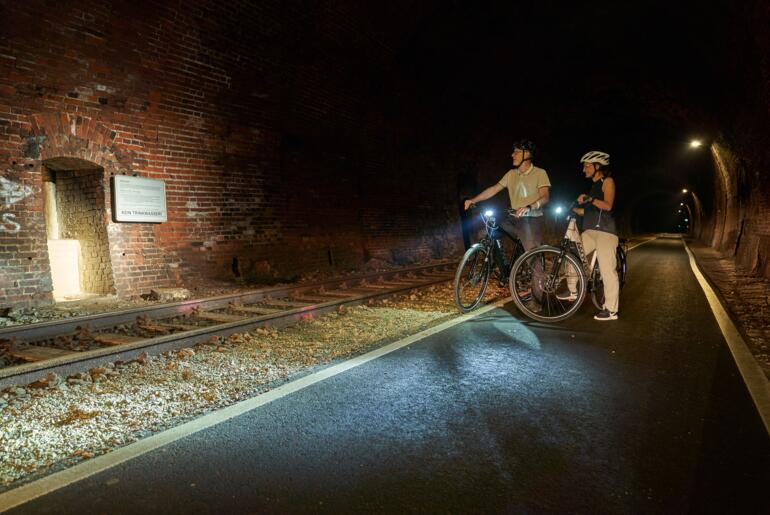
273, 124
739, 224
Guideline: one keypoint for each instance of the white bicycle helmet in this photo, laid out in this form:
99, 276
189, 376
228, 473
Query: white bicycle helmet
596, 156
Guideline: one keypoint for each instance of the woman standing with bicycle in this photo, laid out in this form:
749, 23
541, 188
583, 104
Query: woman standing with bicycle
599, 229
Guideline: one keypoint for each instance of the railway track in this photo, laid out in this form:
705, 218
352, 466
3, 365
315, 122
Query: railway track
65, 347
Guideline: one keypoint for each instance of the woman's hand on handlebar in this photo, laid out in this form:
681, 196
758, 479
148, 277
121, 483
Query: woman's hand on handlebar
469, 204
576, 208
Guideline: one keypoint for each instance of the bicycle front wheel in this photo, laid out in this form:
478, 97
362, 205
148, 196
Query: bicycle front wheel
472, 277
547, 284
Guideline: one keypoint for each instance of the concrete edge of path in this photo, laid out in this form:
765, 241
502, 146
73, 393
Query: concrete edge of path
753, 376
30, 491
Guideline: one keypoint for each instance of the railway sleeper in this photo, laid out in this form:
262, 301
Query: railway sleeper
113, 339
33, 353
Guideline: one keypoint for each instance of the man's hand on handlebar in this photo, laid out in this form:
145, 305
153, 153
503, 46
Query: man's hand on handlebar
521, 211
469, 204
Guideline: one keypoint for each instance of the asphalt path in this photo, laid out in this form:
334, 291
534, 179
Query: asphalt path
647, 414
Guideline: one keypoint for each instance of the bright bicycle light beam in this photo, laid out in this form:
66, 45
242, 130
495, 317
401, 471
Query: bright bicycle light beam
489, 212
695, 143
558, 210
684, 190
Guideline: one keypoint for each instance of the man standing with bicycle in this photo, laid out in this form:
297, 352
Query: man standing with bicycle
528, 190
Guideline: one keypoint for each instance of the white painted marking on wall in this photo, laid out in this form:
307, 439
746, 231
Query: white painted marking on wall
753, 376
8, 224
12, 192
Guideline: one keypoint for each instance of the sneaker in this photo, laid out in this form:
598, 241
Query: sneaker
568, 296
605, 315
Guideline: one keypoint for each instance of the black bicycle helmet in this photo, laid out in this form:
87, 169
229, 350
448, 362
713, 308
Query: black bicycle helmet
525, 144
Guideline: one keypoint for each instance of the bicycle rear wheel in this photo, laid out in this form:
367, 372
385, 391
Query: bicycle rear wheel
472, 277
548, 285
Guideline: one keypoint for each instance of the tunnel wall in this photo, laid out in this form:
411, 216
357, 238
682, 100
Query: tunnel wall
739, 224
275, 126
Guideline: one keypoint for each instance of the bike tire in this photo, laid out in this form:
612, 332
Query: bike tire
474, 271
545, 306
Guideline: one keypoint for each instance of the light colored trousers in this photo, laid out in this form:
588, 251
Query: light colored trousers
604, 244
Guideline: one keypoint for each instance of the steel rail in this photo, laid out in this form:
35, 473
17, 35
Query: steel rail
83, 361
43, 330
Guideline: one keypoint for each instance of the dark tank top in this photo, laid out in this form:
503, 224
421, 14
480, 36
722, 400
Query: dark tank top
595, 218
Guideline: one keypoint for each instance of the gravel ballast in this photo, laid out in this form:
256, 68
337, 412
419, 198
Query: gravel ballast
66, 420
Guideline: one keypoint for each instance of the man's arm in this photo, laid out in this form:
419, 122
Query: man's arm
484, 195
545, 196
544, 193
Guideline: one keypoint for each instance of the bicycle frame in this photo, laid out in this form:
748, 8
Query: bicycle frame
573, 236
493, 241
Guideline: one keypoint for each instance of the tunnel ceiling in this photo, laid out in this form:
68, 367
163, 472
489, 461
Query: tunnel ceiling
652, 59
638, 79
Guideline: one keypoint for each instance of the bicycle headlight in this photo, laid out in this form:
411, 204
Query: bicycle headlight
488, 213
558, 210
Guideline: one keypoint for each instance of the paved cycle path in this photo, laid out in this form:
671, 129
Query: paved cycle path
644, 415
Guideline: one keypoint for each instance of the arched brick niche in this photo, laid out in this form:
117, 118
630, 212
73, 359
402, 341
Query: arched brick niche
80, 153
137, 259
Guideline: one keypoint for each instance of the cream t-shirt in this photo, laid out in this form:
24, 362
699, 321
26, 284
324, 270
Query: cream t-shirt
523, 187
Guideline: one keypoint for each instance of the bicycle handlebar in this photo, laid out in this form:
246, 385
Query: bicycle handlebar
510, 211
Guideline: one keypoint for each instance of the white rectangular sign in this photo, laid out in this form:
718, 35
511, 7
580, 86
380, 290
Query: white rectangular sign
138, 199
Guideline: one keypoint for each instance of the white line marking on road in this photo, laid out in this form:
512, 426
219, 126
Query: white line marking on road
642, 243
753, 376
43, 486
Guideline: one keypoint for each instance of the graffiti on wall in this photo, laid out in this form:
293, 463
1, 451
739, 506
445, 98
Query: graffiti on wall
10, 193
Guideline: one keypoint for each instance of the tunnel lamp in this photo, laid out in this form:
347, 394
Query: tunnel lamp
684, 190
695, 143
